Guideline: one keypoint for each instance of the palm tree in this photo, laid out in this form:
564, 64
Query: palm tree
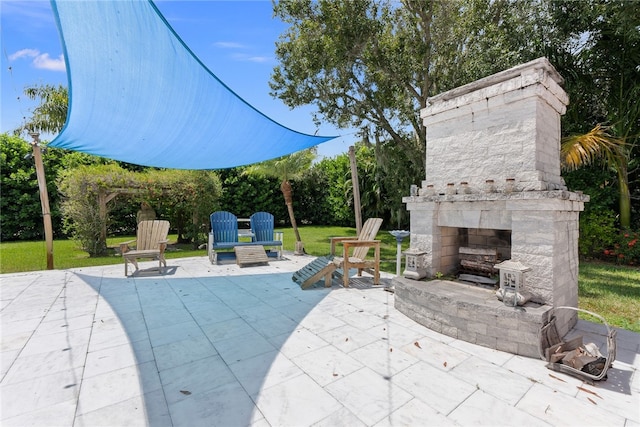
286, 168
581, 150
607, 84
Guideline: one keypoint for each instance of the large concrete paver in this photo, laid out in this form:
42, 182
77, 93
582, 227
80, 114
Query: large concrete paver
222, 345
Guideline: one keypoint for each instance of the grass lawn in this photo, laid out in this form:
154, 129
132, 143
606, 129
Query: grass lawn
30, 256
611, 291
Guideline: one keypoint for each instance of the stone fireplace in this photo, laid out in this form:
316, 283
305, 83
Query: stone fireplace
493, 181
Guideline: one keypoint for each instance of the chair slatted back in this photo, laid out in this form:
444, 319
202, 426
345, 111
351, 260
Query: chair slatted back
368, 232
224, 226
262, 226
150, 233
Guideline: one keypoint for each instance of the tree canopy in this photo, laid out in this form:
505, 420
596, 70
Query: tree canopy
373, 64
51, 114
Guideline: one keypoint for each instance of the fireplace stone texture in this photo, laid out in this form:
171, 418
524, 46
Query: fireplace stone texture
493, 163
500, 127
472, 315
544, 234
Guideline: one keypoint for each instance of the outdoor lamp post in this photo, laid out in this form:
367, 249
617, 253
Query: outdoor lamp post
44, 197
399, 235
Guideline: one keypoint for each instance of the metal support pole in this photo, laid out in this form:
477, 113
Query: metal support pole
44, 197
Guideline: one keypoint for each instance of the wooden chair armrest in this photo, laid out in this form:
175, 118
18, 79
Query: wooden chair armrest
347, 244
361, 242
339, 240
124, 246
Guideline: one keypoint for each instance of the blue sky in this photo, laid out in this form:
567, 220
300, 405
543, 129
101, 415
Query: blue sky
234, 39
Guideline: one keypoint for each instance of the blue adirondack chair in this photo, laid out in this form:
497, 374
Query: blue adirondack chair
224, 233
262, 227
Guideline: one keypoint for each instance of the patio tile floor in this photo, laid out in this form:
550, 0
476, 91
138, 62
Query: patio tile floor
220, 345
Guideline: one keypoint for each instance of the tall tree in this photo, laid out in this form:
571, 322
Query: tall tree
51, 114
361, 62
373, 64
286, 168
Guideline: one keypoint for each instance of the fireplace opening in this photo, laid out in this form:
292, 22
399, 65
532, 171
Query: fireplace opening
472, 253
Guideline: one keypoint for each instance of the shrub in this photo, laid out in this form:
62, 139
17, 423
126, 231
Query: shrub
244, 194
597, 233
82, 216
20, 208
626, 249
186, 197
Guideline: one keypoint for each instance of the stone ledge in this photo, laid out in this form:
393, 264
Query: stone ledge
519, 195
526, 74
444, 307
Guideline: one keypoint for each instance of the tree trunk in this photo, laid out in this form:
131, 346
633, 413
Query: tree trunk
625, 196
287, 192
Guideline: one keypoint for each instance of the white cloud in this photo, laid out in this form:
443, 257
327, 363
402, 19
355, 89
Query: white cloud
29, 53
249, 58
258, 59
230, 45
242, 56
40, 60
47, 63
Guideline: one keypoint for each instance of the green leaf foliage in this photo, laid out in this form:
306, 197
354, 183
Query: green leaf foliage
312, 198
336, 172
51, 114
20, 207
603, 81
243, 194
185, 198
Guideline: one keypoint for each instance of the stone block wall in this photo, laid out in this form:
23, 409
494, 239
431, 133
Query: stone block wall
543, 227
450, 242
490, 238
472, 314
504, 126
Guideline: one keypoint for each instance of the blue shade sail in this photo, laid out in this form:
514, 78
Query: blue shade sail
138, 94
